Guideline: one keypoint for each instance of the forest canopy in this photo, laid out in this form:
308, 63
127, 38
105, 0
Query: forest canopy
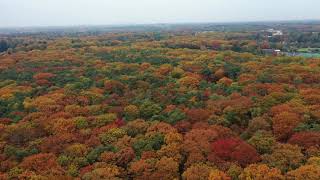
178, 104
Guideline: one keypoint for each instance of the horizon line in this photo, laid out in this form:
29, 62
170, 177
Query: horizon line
157, 23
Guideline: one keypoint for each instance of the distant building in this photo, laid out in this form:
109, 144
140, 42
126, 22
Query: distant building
277, 33
273, 52
274, 32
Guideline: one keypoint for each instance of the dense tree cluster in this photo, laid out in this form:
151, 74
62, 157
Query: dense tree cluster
157, 106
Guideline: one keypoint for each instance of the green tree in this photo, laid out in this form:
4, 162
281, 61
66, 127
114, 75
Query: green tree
149, 109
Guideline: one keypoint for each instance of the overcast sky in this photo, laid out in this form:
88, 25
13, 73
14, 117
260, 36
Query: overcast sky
104, 12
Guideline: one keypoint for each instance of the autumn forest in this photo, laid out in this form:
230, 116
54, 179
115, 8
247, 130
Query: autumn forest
189, 102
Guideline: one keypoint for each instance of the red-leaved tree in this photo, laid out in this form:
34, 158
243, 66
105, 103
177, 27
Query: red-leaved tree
235, 149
